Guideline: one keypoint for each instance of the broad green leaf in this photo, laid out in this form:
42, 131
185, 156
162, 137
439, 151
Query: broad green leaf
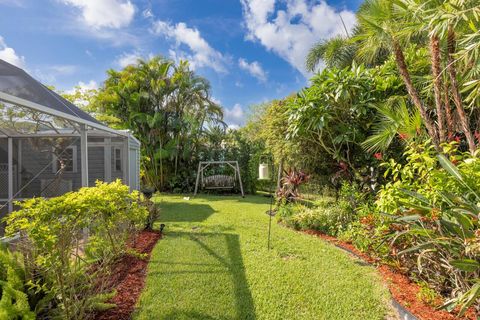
467, 265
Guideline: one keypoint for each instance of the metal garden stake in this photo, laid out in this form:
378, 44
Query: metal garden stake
265, 174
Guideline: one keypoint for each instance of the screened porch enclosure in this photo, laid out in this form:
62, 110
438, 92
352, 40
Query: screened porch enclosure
41, 166
49, 146
37, 164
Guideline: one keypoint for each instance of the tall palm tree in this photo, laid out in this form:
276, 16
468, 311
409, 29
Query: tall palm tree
380, 22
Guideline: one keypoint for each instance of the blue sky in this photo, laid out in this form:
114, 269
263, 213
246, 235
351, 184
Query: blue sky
250, 50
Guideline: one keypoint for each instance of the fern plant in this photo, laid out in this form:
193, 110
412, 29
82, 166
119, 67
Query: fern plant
14, 302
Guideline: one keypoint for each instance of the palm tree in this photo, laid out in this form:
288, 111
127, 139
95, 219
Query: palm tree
380, 23
340, 52
337, 52
167, 107
395, 118
394, 24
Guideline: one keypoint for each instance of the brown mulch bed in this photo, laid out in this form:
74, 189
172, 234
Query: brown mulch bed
128, 277
401, 288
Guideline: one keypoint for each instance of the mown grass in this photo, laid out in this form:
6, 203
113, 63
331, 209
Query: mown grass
213, 263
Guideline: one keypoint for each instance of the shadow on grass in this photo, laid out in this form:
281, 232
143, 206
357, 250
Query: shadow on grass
254, 199
221, 256
184, 212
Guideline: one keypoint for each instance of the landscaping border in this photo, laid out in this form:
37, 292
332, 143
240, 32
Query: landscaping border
128, 277
403, 290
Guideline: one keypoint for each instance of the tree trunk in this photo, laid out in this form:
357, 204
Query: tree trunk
437, 85
448, 111
402, 68
457, 99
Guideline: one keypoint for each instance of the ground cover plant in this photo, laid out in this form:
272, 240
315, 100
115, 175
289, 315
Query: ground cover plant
213, 263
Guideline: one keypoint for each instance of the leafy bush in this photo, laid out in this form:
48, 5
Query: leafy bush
368, 234
326, 216
436, 232
70, 241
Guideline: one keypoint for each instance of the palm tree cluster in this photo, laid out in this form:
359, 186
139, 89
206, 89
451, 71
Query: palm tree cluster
444, 97
169, 108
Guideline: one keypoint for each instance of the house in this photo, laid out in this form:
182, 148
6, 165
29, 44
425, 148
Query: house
49, 146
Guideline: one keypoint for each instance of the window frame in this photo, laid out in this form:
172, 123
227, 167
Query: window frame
119, 158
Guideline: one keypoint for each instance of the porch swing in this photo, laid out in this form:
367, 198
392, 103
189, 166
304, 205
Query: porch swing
218, 181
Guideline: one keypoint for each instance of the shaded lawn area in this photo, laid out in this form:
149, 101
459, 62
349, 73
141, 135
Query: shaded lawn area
213, 263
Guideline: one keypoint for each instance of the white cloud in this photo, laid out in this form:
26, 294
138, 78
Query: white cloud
235, 116
200, 54
216, 101
127, 59
63, 69
147, 14
290, 31
91, 85
254, 68
8, 54
99, 14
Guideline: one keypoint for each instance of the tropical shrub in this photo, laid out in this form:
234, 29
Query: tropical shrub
324, 215
368, 233
329, 220
434, 229
69, 242
290, 184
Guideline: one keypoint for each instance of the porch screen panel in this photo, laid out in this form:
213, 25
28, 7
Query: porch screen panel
47, 167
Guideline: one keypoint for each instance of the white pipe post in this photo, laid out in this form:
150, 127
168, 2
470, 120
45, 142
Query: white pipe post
126, 163
239, 179
107, 158
84, 154
19, 166
10, 175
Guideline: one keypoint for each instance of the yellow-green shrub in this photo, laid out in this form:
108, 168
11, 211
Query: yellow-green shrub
70, 241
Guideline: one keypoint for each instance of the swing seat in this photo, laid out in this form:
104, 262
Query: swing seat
219, 181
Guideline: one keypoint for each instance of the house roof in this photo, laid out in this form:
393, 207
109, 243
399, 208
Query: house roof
19, 88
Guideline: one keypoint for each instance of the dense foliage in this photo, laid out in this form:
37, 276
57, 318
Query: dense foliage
169, 109
67, 245
391, 124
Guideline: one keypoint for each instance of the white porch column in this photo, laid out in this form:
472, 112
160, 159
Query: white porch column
10, 175
84, 154
107, 157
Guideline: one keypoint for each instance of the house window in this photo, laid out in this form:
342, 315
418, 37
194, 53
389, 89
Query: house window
68, 158
117, 159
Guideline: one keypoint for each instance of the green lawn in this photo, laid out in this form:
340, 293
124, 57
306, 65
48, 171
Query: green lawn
213, 263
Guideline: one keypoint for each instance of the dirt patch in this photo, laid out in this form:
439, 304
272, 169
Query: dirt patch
128, 277
401, 288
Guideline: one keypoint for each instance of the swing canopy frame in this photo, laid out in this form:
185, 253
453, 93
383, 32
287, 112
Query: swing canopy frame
218, 181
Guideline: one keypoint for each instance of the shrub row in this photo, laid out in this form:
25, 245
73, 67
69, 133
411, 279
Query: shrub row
67, 246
